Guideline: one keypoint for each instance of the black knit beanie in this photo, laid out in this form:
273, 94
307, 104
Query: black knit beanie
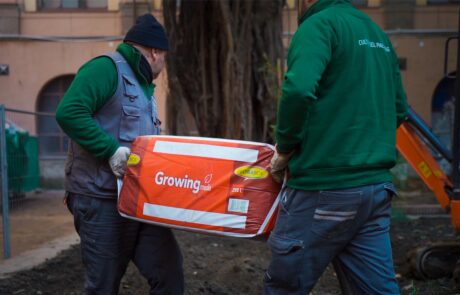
148, 32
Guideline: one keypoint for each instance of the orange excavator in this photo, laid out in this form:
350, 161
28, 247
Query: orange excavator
423, 151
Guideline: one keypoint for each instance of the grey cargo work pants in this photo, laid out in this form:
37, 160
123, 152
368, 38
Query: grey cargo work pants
109, 242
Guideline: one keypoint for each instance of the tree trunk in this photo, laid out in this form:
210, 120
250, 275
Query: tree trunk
224, 67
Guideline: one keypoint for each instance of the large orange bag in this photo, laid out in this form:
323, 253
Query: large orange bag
207, 185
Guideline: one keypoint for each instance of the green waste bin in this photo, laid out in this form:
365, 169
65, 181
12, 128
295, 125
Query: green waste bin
32, 173
22, 158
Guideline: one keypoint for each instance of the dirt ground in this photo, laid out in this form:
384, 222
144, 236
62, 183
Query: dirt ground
36, 219
213, 265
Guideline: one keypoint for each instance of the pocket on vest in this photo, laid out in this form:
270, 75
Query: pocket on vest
105, 178
130, 123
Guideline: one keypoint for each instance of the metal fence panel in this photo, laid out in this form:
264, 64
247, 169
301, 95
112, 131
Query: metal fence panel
32, 175
4, 184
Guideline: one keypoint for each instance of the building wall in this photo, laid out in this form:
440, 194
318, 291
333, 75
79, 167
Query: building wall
425, 68
33, 64
376, 14
425, 53
437, 17
71, 23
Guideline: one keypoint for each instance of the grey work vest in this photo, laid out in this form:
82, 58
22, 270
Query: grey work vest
126, 115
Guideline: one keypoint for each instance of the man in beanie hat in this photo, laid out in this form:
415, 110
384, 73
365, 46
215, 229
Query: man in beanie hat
109, 103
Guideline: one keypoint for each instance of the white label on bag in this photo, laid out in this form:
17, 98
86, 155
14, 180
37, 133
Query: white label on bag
238, 205
195, 216
207, 151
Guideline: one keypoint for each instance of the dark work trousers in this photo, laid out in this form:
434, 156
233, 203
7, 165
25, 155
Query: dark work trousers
349, 226
109, 242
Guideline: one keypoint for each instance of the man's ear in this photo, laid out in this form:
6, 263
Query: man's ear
154, 53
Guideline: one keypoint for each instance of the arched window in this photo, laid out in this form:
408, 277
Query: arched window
52, 141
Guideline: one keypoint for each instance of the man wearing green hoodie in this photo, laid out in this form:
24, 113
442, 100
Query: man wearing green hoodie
342, 100
109, 103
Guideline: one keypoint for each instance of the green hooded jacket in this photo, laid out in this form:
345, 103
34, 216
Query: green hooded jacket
94, 84
342, 100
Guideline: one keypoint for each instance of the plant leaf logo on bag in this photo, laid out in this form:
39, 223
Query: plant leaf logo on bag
251, 172
183, 182
133, 160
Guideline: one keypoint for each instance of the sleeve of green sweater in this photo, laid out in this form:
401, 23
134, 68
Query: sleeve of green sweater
308, 57
92, 87
401, 98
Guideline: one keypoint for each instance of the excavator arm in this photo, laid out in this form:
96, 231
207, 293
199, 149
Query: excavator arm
419, 156
417, 144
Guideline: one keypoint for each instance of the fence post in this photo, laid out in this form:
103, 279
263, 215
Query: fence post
4, 184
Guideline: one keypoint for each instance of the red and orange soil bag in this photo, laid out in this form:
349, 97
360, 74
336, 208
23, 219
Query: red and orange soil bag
201, 184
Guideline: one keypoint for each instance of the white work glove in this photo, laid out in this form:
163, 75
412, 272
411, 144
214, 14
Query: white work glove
118, 161
279, 164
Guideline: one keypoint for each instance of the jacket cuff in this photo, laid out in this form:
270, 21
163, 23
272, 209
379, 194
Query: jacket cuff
285, 148
111, 149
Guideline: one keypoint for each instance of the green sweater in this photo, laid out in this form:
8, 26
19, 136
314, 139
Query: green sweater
342, 100
94, 84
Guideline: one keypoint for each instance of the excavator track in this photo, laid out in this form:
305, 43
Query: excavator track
436, 261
